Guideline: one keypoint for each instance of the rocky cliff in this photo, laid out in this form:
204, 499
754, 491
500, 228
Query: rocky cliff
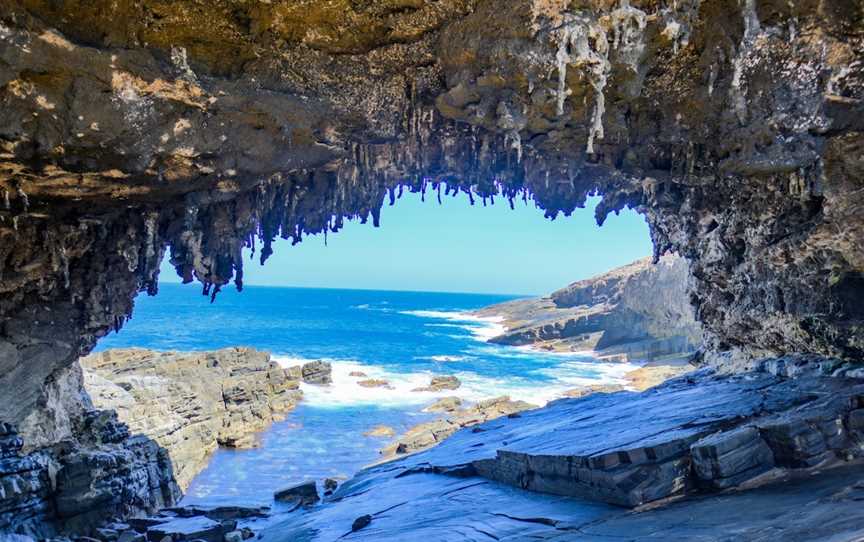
639, 312
139, 425
130, 129
191, 403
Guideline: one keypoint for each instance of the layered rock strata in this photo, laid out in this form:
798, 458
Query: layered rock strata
106, 472
638, 312
164, 414
131, 129
428, 434
693, 435
191, 403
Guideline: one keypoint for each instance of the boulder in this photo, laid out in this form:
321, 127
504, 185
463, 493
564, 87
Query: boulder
330, 486
194, 528
440, 383
304, 494
447, 404
726, 459
317, 372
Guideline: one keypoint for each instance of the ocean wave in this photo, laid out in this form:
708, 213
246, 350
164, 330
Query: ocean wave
536, 387
372, 307
482, 328
443, 358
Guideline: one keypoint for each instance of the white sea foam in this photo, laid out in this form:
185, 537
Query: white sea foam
443, 358
482, 328
346, 392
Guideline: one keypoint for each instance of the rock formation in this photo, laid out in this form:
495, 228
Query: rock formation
191, 403
639, 312
428, 434
128, 129
703, 433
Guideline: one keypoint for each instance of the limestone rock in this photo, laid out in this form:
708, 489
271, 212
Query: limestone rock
441, 383
447, 404
190, 403
638, 312
317, 372
380, 431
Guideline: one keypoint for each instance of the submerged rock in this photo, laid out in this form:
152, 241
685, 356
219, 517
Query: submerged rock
304, 494
380, 431
375, 383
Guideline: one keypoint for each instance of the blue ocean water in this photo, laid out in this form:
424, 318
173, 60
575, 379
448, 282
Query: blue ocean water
404, 337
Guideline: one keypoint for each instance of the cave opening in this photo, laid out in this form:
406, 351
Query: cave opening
407, 322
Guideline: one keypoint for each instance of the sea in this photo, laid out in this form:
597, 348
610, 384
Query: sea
403, 337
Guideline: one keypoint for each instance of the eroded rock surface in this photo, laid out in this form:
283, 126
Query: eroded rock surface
428, 434
128, 129
694, 435
191, 403
639, 312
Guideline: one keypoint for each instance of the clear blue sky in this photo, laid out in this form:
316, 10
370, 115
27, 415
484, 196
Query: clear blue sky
456, 248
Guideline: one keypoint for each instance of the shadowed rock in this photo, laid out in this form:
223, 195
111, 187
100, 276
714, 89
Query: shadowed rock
191, 403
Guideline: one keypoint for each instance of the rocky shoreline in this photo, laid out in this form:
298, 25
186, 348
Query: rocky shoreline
192, 403
637, 313
146, 423
564, 472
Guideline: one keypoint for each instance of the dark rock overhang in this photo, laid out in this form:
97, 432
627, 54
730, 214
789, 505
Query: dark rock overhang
128, 129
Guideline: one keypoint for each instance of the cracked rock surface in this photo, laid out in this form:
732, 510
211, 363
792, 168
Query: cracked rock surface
191, 403
756, 430
133, 129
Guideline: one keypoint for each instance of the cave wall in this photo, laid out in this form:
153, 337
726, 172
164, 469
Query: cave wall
128, 129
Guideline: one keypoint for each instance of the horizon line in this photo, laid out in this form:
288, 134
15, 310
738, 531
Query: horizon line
290, 287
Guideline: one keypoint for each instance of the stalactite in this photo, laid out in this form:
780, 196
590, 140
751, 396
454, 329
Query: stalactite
751, 30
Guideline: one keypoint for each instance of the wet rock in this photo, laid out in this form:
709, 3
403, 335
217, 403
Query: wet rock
234, 536
361, 523
380, 431
304, 494
358, 374
375, 383
192, 528
447, 404
426, 435
317, 372
441, 383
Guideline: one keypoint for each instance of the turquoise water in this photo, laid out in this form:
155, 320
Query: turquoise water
404, 337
